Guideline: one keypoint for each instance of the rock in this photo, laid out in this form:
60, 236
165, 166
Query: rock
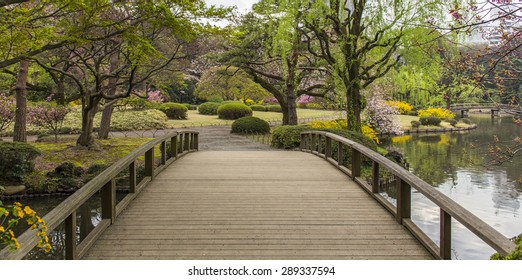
10, 190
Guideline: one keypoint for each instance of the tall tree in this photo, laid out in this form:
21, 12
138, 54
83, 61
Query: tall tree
359, 40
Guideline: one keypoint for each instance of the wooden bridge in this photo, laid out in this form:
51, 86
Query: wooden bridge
494, 108
256, 205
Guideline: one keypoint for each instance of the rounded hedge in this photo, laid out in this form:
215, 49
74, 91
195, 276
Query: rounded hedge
430, 120
259, 108
174, 111
250, 125
274, 108
233, 111
16, 161
208, 108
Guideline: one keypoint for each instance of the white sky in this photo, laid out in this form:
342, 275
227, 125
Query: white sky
241, 5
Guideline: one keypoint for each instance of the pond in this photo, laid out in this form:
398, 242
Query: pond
454, 164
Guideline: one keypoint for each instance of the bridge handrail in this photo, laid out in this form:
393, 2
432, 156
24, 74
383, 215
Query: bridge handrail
181, 143
312, 141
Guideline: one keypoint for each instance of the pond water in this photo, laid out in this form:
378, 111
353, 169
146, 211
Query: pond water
454, 164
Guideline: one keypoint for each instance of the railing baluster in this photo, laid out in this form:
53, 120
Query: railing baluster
302, 144
187, 142
174, 146
340, 153
375, 177
445, 235
356, 163
313, 146
403, 200
149, 163
108, 196
181, 143
328, 148
163, 151
196, 142
70, 236
132, 177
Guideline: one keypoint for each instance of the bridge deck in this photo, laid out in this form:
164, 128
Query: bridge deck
255, 205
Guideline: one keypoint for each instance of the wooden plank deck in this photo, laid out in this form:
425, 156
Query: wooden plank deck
255, 205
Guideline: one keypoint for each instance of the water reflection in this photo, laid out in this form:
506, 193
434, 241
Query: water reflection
452, 162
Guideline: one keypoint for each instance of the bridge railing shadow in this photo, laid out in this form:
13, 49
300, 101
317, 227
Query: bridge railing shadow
373, 171
78, 238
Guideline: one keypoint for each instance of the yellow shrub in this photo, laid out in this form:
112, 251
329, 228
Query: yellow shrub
250, 102
441, 113
370, 132
403, 107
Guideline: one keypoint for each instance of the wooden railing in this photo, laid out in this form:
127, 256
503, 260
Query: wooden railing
181, 143
336, 150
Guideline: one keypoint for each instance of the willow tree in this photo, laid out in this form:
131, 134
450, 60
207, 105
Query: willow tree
360, 39
268, 46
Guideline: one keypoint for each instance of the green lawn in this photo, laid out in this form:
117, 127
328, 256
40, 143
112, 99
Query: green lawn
196, 119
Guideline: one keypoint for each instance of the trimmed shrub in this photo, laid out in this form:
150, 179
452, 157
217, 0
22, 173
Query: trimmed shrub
137, 120
250, 125
174, 111
415, 124
288, 136
249, 102
413, 113
404, 108
274, 108
440, 113
215, 99
16, 161
259, 108
208, 108
430, 121
65, 176
466, 121
138, 103
233, 111
186, 105
453, 122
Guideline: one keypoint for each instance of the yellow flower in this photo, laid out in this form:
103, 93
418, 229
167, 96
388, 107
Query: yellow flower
29, 211
2, 229
17, 204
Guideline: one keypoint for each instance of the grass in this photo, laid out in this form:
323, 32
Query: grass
53, 154
196, 119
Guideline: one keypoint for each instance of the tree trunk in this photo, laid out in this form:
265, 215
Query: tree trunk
86, 138
20, 129
105, 124
291, 106
354, 108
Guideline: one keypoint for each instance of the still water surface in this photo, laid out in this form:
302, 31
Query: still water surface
454, 164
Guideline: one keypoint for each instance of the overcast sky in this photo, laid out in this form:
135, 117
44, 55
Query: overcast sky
241, 5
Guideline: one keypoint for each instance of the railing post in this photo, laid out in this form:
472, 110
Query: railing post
181, 143
163, 150
356, 163
340, 153
196, 141
70, 236
186, 142
108, 196
302, 142
375, 177
132, 177
445, 235
403, 200
174, 146
149, 163
328, 148
312, 147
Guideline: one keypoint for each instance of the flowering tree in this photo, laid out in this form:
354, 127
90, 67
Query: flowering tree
48, 116
380, 115
7, 111
156, 97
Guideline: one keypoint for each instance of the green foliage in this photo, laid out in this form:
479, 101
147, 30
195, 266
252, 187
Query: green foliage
274, 108
208, 108
250, 125
233, 111
466, 121
16, 161
453, 122
65, 176
138, 120
174, 111
441, 113
415, 124
288, 136
137, 103
190, 106
259, 108
435, 121
515, 255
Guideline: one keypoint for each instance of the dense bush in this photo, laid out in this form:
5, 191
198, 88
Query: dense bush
259, 108
274, 108
233, 111
466, 121
208, 108
137, 103
190, 106
314, 106
415, 124
413, 113
430, 121
453, 122
138, 120
404, 108
64, 176
16, 161
515, 255
440, 113
250, 125
343, 124
288, 136
174, 111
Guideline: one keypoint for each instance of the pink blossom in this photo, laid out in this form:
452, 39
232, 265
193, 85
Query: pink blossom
7, 111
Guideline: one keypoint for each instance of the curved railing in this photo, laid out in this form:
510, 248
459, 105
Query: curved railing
181, 143
336, 150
